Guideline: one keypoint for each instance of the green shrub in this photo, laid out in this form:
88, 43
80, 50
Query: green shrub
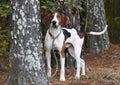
4, 27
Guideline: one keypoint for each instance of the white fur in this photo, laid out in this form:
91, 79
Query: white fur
55, 19
75, 48
99, 33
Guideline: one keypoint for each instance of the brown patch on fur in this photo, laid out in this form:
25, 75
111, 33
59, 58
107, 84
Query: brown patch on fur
47, 19
63, 49
87, 33
64, 20
81, 34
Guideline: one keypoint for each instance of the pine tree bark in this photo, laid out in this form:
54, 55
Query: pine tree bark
97, 22
27, 66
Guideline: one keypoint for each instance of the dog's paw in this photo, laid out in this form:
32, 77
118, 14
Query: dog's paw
49, 74
77, 77
62, 75
62, 79
83, 73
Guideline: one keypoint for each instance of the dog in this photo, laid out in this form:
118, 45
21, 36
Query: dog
58, 37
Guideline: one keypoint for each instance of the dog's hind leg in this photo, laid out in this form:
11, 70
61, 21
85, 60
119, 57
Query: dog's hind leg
80, 62
74, 52
83, 66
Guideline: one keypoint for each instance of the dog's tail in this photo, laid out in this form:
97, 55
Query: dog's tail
98, 33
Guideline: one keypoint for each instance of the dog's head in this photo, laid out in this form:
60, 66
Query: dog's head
56, 19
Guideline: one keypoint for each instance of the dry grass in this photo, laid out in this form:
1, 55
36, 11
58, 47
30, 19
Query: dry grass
101, 69
93, 77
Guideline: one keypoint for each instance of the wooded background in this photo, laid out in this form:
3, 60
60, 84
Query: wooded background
24, 40
112, 13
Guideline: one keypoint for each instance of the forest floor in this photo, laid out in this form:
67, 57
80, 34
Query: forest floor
101, 69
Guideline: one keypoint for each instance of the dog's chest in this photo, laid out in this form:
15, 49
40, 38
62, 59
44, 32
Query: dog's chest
58, 42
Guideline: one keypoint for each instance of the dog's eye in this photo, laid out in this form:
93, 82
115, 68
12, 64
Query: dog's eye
58, 16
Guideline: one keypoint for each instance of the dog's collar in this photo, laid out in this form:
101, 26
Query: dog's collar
55, 36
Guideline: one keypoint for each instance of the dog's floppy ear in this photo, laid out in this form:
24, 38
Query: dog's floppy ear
64, 20
47, 19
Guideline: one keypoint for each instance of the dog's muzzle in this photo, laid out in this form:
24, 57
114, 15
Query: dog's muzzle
54, 23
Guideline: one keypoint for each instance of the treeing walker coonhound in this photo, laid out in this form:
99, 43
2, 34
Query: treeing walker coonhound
58, 37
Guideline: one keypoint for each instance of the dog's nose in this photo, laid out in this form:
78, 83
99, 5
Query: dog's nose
54, 22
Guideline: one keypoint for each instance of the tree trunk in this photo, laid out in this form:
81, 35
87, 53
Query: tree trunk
97, 22
27, 66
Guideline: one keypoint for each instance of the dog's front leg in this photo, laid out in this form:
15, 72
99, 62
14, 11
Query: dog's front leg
48, 57
62, 71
